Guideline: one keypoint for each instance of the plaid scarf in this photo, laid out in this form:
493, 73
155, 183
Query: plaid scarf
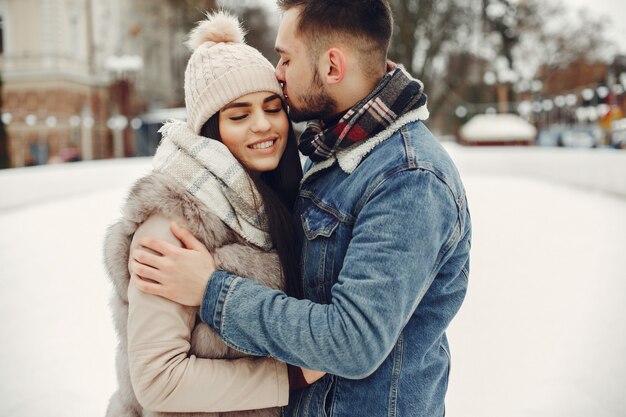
396, 94
208, 170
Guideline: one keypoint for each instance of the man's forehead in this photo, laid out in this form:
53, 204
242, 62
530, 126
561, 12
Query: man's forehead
286, 40
290, 17
289, 23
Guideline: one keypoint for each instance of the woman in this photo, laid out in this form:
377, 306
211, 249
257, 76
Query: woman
230, 175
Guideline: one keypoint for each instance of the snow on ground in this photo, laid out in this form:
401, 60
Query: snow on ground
542, 331
32, 185
58, 339
601, 169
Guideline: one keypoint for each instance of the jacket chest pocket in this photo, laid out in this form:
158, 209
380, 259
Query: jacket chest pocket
319, 252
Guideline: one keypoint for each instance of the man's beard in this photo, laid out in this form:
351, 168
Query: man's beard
316, 103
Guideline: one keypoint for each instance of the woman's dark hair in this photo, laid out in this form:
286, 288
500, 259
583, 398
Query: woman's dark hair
278, 189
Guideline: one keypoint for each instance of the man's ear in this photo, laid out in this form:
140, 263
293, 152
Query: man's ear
336, 65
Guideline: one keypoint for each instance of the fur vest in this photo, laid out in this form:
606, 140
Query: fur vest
157, 193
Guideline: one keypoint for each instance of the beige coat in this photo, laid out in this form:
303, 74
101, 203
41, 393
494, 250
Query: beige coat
163, 360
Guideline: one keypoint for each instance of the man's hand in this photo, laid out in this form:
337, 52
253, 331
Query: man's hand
178, 274
312, 376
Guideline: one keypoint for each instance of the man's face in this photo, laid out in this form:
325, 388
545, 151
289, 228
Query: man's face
305, 92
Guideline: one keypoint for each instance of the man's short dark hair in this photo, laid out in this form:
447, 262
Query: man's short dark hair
363, 24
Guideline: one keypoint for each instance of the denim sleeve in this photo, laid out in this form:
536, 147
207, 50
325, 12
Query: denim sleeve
403, 230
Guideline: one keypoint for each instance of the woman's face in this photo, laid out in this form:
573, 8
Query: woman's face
255, 128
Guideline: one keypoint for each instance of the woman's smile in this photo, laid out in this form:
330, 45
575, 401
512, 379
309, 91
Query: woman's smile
265, 145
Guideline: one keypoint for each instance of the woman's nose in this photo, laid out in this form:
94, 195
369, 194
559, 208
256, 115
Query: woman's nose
260, 122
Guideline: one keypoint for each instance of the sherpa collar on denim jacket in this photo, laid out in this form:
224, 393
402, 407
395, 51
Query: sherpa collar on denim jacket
351, 157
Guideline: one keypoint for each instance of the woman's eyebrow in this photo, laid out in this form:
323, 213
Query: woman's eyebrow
236, 104
271, 98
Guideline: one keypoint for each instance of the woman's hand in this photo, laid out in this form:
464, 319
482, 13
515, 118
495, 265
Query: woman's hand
178, 274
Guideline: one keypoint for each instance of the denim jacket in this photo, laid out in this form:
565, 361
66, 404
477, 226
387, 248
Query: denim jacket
385, 235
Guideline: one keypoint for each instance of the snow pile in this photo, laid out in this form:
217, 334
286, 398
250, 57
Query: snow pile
498, 128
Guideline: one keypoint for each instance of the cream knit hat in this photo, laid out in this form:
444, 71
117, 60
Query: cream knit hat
222, 68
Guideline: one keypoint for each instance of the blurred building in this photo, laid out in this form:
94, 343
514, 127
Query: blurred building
598, 86
76, 74
576, 76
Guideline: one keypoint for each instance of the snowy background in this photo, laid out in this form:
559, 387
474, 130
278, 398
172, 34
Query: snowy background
542, 332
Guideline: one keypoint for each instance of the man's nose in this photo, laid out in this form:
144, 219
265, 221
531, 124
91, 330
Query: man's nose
279, 72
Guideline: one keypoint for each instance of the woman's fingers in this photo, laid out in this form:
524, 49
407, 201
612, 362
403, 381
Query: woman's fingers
142, 256
188, 240
159, 246
146, 271
146, 286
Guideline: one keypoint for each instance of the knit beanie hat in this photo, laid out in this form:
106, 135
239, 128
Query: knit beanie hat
222, 68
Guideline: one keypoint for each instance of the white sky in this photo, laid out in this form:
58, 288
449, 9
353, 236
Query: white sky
613, 10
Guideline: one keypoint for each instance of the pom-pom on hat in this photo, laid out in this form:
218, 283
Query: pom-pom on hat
222, 68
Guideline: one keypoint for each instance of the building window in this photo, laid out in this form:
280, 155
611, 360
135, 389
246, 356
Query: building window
1, 35
74, 32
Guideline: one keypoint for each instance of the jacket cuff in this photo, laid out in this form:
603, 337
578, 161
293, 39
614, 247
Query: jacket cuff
214, 298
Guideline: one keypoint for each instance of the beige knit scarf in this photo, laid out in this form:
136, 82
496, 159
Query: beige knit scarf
207, 170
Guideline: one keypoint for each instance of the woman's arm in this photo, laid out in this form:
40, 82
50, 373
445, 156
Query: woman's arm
165, 378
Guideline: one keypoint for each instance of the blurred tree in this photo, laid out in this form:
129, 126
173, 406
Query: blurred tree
427, 34
531, 39
255, 19
561, 39
456, 47
189, 12
504, 23
261, 34
5, 162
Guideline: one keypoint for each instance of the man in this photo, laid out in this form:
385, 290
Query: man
385, 230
